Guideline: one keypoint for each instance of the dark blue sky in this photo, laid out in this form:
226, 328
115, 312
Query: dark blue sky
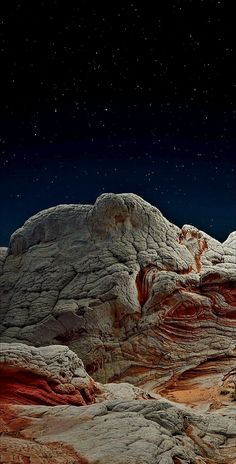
121, 99
190, 182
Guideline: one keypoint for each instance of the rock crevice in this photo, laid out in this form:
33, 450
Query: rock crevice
141, 302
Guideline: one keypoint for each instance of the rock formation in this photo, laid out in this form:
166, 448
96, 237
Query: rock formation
49, 375
134, 296
118, 431
141, 302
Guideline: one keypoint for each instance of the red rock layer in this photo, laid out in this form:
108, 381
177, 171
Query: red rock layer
19, 387
144, 282
16, 449
186, 313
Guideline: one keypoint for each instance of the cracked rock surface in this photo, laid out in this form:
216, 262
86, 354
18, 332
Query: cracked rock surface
48, 375
148, 308
137, 432
137, 298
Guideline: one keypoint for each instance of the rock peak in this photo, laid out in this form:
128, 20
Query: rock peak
140, 301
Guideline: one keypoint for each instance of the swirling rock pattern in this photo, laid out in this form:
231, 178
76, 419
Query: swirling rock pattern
128, 426
137, 298
140, 301
49, 375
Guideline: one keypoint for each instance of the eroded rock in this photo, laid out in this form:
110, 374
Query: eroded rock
137, 298
142, 302
48, 375
121, 432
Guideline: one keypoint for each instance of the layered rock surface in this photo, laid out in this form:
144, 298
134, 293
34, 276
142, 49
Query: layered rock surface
118, 431
139, 300
49, 375
128, 426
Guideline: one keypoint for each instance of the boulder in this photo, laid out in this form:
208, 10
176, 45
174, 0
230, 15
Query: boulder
134, 296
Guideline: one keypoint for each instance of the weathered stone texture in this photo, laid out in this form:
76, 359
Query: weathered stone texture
48, 375
140, 301
121, 432
137, 298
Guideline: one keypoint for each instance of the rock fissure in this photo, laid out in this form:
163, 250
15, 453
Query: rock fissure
141, 302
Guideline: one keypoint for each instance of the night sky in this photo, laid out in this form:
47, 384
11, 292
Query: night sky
118, 97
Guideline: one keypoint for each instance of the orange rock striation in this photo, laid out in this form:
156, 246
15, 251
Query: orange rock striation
140, 301
47, 376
